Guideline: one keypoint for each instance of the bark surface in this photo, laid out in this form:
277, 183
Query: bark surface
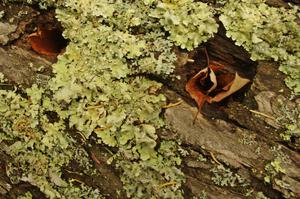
240, 134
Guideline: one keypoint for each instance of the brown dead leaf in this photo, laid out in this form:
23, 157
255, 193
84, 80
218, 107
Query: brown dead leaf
215, 66
237, 83
206, 81
48, 42
195, 92
224, 79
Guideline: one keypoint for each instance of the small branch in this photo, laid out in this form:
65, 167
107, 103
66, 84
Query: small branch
262, 114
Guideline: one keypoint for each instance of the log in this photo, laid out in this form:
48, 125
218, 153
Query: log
239, 137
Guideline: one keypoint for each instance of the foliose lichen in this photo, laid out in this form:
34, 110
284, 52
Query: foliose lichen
272, 169
290, 119
26, 195
100, 88
38, 147
248, 24
189, 23
225, 177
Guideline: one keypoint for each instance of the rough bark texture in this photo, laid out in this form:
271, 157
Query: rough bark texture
238, 133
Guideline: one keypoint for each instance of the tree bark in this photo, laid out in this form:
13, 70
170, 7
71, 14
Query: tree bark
237, 134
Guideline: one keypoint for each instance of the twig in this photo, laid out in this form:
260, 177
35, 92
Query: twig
73, 172
96, 106
83, 137
190, 60
103, 128
167, 184
173, 104
93, 156
207, 57
109, 151
262, 114
195, 117
214, 158
76, 180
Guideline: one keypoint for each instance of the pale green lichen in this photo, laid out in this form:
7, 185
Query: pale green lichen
106, 98
189, 23
290, 119
273, 175
260, 195
2, 13
276, 167
225, 177
273, 169
202, 195
201, 158
39, 148
248, 139
248, 24
2, 78
99, 88
26, 195
153, 173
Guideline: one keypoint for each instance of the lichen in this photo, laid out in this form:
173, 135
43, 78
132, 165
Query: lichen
101, 87
248, 24
38, 147
290, 119
189, 23
272, 169
260, 195
26, 195
2, 13
225, 177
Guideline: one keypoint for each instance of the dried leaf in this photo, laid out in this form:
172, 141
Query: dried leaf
47, 41
213, 79
231, 88
195, 92
206, 81
224, 80
215, 66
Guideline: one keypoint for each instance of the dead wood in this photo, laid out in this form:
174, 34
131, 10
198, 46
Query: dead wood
238, 136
